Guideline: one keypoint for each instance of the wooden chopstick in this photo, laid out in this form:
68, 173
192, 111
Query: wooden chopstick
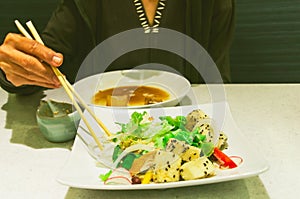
58, 73
67, 86
22, 29
63, 81
38, 38
89, 110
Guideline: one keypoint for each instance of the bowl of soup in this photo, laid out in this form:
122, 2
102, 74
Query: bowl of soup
133, 88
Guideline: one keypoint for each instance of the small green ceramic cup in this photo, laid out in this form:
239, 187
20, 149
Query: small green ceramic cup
57, 128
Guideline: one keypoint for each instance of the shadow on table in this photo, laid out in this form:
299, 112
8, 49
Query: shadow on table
245, 188
21, 119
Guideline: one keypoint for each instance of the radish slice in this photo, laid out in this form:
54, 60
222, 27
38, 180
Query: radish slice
119, 176
117, 180
237, 159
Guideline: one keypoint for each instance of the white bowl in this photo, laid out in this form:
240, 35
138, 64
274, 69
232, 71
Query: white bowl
177, 86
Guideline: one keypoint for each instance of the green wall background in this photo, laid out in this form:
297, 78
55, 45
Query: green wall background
266, 47
267, 41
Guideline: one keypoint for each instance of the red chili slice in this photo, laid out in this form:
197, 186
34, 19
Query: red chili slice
224, 159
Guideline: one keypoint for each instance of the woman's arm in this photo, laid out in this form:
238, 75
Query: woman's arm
25, 64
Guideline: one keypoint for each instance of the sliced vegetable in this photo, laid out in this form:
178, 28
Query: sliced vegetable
130, 149
178, 122
117, 152
127, 161
207, 148
197, 136
167, 137
119, 176
224, 159
184, 136
147, 178
104, 177
117, 180
138, 123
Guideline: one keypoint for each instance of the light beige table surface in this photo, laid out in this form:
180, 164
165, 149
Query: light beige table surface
267, 114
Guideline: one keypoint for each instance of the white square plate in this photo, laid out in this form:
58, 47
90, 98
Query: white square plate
81, 170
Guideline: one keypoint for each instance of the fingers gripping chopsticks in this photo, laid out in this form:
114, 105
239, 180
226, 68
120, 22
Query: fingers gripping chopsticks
67, 86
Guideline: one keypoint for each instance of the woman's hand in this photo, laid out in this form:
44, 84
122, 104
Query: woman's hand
26, 62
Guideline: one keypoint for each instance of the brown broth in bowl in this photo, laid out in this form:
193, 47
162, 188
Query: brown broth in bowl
130, 96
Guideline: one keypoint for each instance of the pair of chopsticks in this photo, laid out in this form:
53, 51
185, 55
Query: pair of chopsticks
66, 85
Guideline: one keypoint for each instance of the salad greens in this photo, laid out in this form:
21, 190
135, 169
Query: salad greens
141, 129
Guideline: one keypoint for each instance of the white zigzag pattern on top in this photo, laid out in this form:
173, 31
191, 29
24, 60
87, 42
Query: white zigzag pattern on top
142, 16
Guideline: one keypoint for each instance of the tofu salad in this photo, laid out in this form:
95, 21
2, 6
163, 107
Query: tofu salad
169, 150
